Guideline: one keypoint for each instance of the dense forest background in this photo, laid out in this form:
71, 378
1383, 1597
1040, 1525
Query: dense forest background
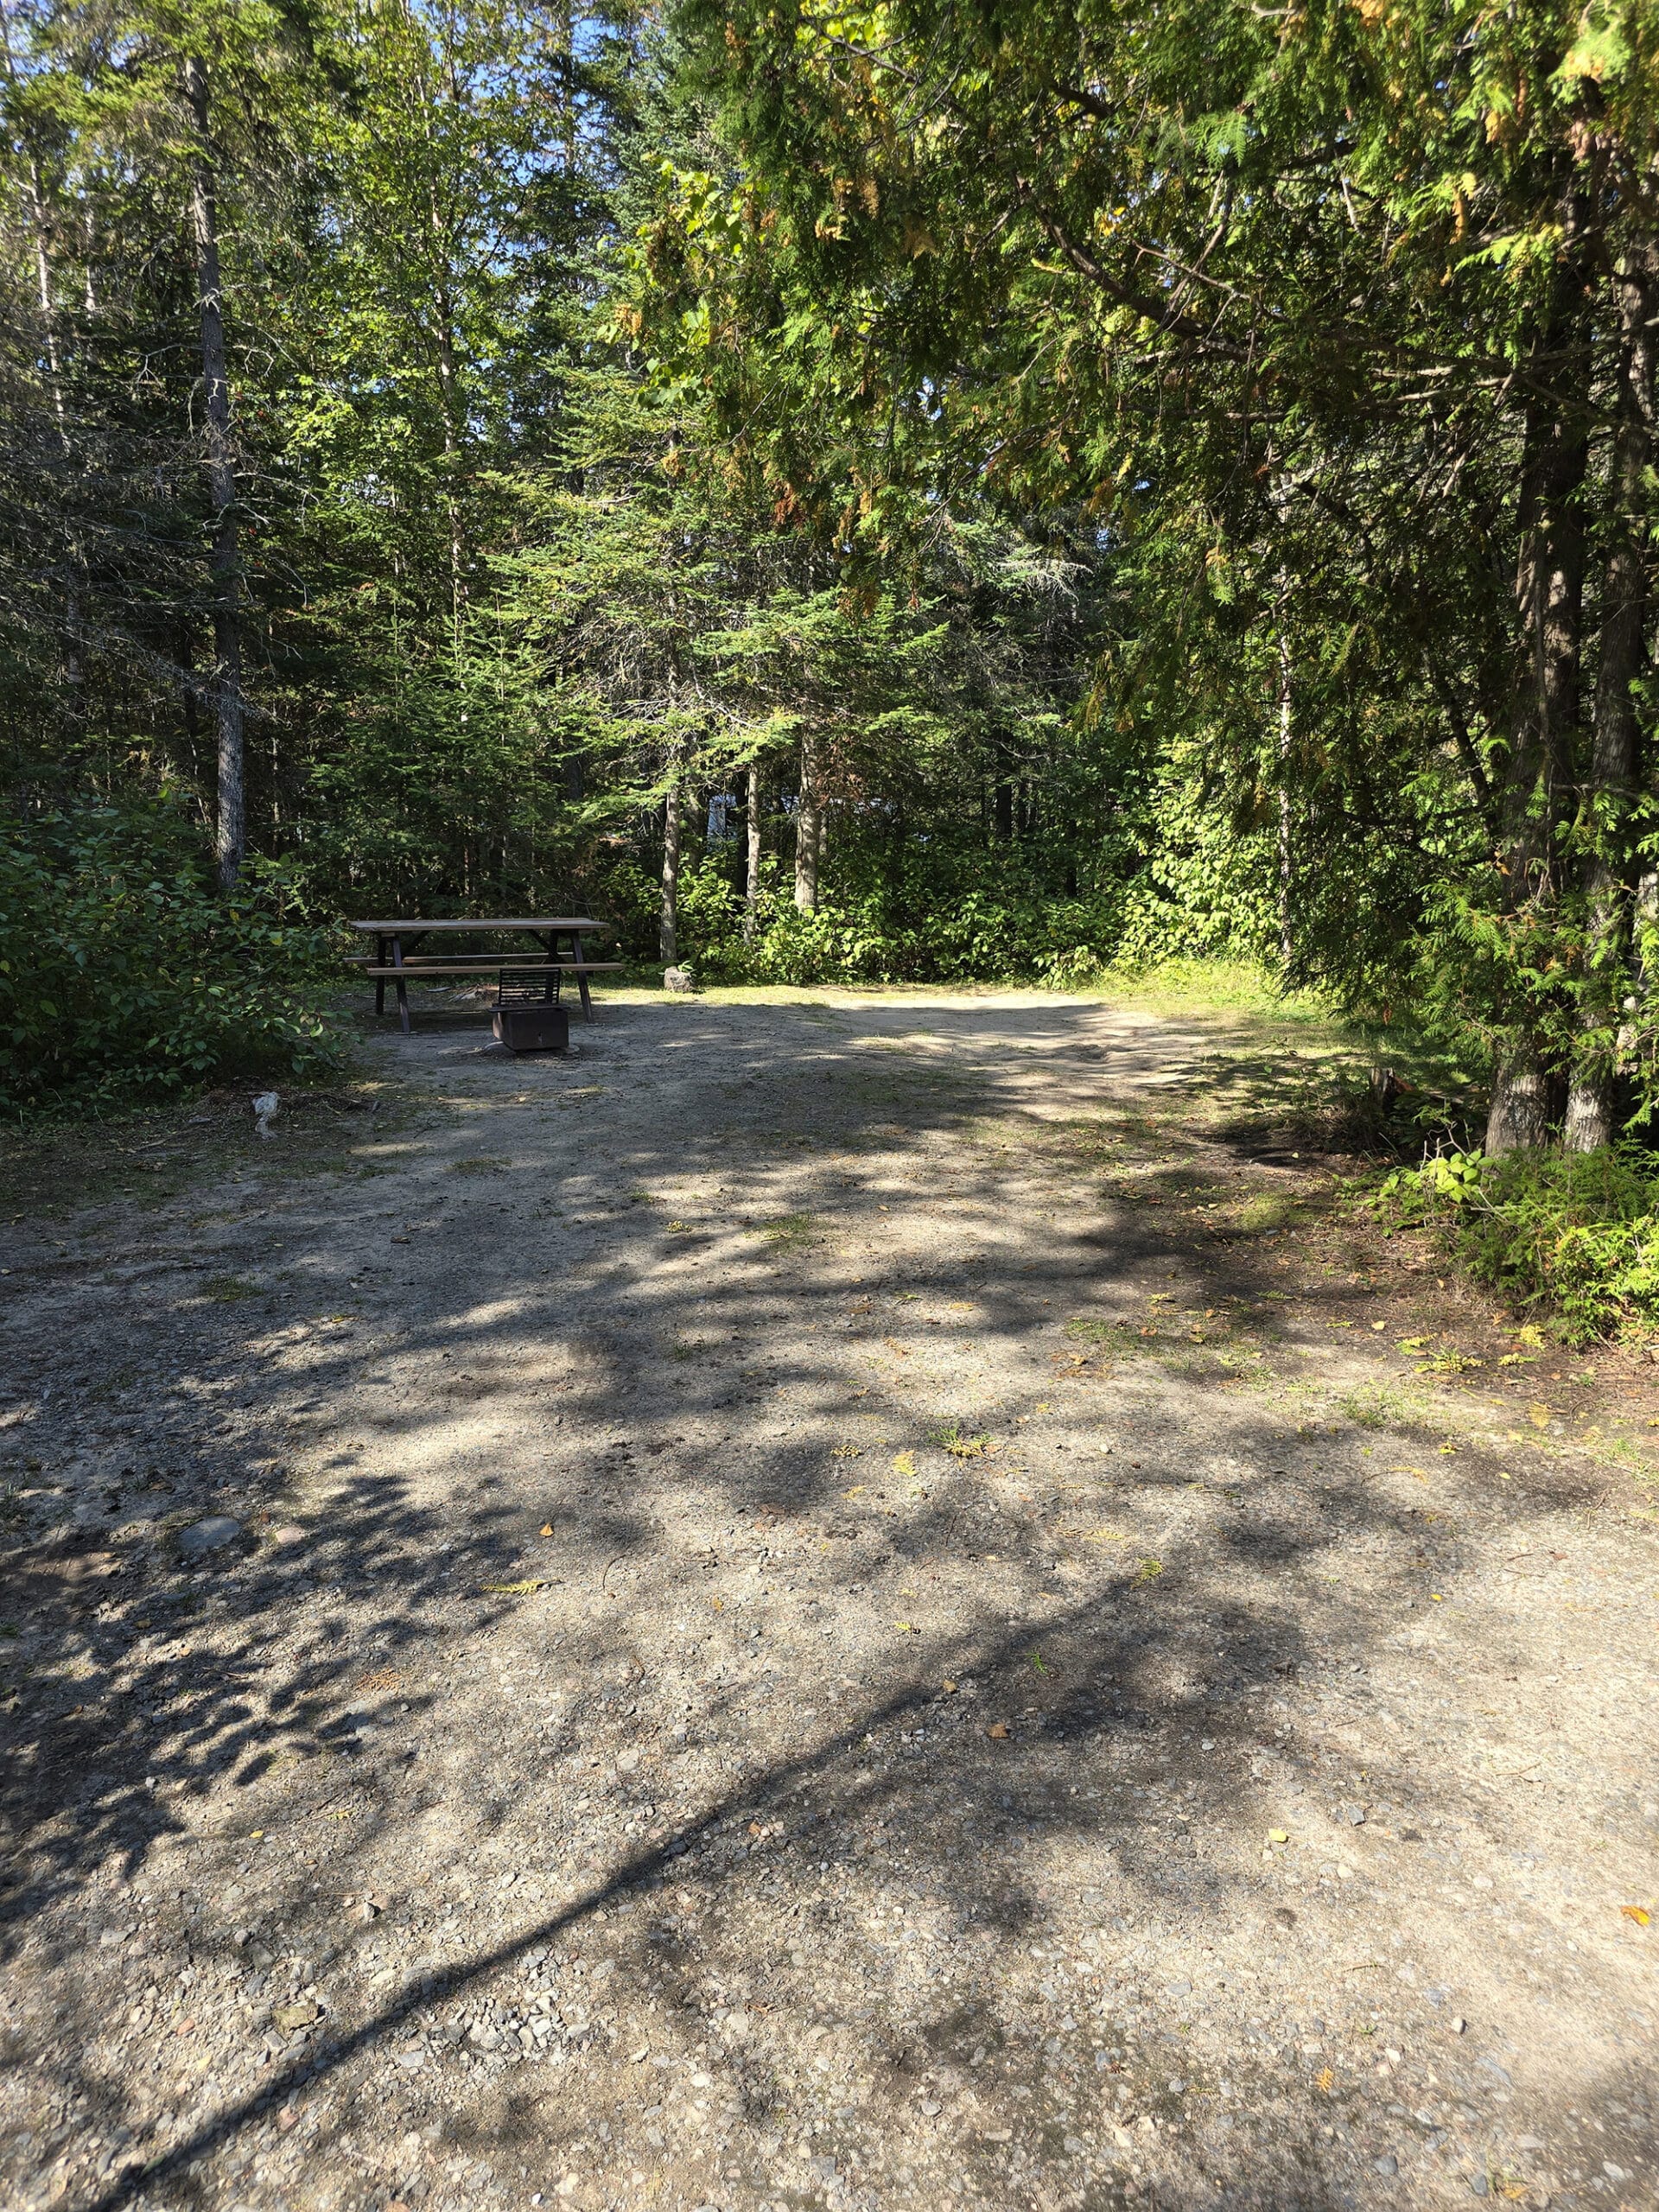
901, 493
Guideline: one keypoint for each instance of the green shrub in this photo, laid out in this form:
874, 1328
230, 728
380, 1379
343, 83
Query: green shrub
124, 969
1575, 1234
928, 920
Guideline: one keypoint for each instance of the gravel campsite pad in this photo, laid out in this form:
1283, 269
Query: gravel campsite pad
848, 1603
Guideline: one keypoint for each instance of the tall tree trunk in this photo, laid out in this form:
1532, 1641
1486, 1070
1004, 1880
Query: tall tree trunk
449, 401
41, 226
1610, 787
751, 887
230, 837
1549, 605
809, 828
1003, 797
1286, 947
668, 927
72, 662
450, 406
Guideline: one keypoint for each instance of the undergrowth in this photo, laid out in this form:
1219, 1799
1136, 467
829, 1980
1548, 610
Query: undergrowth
1572, 1235
125, 974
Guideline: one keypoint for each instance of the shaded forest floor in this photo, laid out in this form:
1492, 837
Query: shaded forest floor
845, 1599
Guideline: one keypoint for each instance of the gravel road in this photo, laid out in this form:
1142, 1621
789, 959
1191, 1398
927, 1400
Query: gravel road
844, 1602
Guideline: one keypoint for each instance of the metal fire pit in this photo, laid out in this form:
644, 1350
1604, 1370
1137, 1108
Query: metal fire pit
528, 1016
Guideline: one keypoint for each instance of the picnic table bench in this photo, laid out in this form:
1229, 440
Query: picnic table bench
393, 961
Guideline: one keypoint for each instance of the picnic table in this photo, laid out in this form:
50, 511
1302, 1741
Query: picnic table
395, 961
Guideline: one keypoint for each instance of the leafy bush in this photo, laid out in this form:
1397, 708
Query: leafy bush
123, 969
922, 924
1576, 1233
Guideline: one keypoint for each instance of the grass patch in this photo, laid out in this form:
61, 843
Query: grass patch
1270, 1210
483, 1165
1379, 1405
959, 1446
1120, 1336
790, 1232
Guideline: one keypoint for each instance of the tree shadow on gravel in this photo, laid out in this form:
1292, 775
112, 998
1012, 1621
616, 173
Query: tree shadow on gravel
1151, 1682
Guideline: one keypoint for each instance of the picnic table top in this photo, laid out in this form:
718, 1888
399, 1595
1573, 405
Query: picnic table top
503, 922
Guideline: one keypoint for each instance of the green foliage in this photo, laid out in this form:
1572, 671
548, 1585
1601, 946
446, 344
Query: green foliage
123, 971
1576, 1234
924, 924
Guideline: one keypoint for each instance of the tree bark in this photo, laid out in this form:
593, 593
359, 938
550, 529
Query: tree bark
1549, 605
1286, 946
41, 226
668, 927
1518, 1120
751, 887
809, 829
1610, 787
230, 838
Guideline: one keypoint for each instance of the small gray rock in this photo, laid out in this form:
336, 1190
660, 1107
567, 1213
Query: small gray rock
1354, 1815
203, 1536
1480, 2186
1387, 2164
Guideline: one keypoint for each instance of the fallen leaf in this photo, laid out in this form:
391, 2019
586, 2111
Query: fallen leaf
1538, 1416
546, 1529
904, 1462
1278, 1835
719, 1605
1325, 2079
525, 1589
1149, 1569
949, 1686
1639, 1913
998, 1731
906, 1628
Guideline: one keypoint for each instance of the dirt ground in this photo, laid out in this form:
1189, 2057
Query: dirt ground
883, 1600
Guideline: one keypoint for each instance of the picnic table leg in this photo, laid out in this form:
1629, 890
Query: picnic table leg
403, 987
581, 981
379, 981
